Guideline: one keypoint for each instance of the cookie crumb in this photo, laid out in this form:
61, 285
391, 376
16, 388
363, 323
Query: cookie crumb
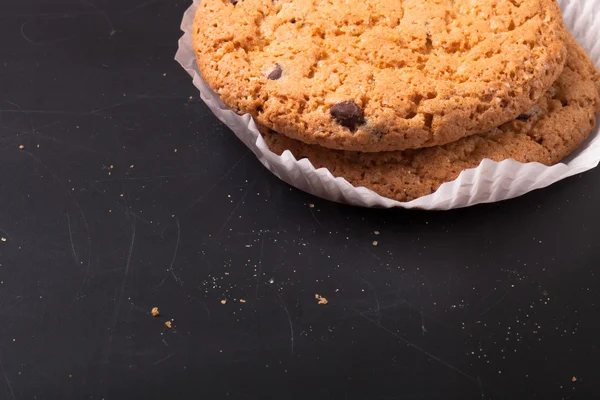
311, 205
242, 301
574, 379
3, 239
223, 301
155, 312
375, 242
21, 147
376, 233
168, 324
132, 166
321, 299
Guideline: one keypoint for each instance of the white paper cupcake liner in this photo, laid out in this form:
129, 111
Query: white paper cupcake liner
491, 181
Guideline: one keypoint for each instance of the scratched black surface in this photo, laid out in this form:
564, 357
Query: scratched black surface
493, 302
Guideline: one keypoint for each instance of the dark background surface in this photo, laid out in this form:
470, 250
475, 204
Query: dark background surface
129, 194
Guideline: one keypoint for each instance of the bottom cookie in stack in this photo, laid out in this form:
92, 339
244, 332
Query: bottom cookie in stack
550, 131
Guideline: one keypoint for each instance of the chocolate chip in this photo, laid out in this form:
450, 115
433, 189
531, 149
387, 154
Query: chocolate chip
234, 2
275, 72
347, 113
533, 112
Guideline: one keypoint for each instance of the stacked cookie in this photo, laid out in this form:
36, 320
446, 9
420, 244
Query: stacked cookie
400, 96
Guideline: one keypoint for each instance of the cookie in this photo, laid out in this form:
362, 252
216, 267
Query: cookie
561, 120
380, 75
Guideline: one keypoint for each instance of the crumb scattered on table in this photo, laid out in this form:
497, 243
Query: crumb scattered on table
375, 243
132, 166
21, 147
574, 379
311, 205
155, 312
242, 301
321, 299
3, 239
223, 301
376, 232
168, 324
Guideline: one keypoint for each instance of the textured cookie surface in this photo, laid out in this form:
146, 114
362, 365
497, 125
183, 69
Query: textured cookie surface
375, 75
548, 132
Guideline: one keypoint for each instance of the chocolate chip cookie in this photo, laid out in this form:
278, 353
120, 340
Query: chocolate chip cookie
549, 131
380, 75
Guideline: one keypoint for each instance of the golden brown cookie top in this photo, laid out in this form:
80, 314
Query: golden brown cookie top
561, 120
375, 75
